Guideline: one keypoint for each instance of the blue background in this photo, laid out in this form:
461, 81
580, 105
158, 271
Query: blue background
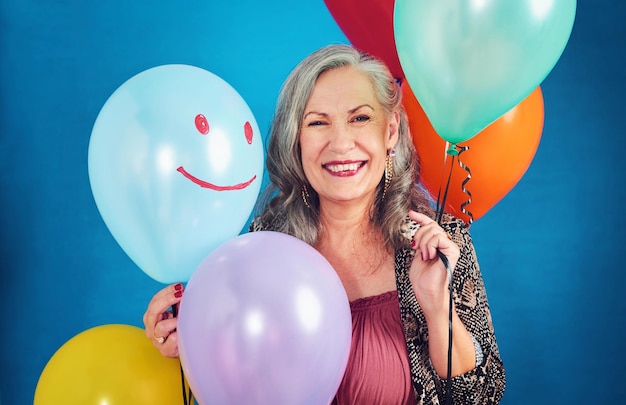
549, 251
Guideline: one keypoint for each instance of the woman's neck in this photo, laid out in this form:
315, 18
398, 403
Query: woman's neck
355, 248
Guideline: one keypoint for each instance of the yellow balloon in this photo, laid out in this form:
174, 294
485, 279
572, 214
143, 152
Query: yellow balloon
109, 365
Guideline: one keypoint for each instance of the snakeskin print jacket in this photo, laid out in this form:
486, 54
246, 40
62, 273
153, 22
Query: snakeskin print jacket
483, 385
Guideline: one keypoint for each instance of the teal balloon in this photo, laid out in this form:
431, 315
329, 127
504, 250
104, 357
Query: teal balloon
175, 166
470, 61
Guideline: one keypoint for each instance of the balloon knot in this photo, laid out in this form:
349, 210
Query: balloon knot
452, 150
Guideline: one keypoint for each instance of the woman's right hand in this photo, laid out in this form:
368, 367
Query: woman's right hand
160, 322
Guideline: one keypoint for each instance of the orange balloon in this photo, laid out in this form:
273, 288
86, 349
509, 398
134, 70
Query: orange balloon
497, 157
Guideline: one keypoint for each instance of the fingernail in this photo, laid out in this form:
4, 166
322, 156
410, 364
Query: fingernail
413, 244
178, 294
178, 287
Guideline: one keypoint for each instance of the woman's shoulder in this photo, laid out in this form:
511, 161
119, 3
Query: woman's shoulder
263, 223
258, 224
255, 225
449, 223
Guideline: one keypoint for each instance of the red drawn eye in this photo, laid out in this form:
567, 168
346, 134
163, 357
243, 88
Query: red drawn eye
202, 124
247, 130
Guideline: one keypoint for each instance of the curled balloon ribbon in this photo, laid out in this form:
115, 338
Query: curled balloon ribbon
462, 149
455, 152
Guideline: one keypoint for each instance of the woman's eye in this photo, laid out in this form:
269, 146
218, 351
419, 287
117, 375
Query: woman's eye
361, 118
315, 123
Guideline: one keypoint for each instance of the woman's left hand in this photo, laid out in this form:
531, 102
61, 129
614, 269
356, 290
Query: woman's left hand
428, 274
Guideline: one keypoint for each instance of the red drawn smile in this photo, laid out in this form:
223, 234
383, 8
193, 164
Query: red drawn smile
206, 184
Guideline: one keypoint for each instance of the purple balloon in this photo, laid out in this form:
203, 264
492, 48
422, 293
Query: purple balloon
264, 320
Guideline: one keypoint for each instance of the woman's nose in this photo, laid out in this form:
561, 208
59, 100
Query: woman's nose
341, 139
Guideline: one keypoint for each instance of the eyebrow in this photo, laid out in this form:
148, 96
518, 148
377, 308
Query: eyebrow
350, 111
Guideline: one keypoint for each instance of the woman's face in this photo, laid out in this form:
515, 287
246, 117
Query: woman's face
345, 137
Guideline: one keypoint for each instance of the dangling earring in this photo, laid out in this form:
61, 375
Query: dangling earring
305, 195
388, 170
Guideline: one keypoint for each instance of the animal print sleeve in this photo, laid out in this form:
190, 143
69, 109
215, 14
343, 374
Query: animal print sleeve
485, 384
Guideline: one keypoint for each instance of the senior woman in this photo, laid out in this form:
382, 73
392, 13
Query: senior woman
344, 176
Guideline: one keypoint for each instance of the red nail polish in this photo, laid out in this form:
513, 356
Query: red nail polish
413, 243
178, 287
178, 294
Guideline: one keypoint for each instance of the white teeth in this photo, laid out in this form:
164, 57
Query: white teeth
343, 168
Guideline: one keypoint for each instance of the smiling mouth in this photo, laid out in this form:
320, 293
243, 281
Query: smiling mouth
344, 169
206, 184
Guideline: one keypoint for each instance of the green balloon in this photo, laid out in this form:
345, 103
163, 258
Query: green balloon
469, 62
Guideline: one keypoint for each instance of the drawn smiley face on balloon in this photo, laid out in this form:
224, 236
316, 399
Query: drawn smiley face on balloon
203, 127
175, 166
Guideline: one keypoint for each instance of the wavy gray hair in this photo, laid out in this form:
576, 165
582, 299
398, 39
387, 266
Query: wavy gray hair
281, 206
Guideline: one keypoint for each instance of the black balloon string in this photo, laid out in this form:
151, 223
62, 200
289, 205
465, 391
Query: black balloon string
454, 151
187, 394
446, 263
441, 199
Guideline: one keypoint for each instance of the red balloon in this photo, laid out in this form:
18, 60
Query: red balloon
368, 24
497, 157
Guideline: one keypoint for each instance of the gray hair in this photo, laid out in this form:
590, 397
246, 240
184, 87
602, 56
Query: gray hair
282, 207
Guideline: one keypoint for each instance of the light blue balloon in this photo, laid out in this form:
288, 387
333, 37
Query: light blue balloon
468, 62
175, 166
